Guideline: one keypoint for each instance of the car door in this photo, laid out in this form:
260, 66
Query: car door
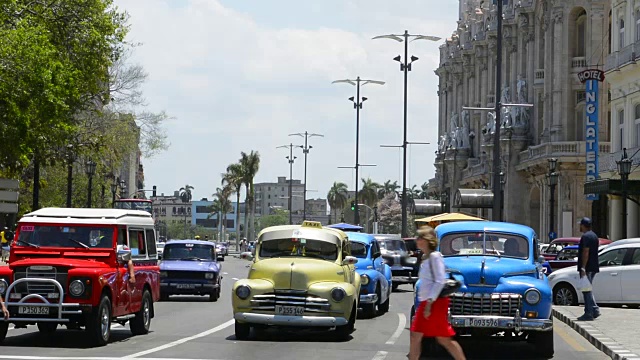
630, 278
607, 284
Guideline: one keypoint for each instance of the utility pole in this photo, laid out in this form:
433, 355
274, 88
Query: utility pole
305, 150
405, 67
291, 160
357, 104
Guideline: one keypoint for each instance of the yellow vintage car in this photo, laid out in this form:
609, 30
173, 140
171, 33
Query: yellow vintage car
302, 276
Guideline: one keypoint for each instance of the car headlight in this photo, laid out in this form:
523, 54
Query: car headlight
209, 275
163, 274
76, 288
3, 286
364, 279
338, 294
243, 291
532, 296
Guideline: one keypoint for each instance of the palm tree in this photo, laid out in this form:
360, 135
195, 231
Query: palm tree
250, 164
388, 188
337, 197
222, 205
185, 193
233, 177
369, 192
425, 190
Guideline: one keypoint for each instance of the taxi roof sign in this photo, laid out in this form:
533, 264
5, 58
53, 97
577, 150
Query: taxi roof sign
313, 224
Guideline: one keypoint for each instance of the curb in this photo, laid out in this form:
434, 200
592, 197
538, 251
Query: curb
607, 345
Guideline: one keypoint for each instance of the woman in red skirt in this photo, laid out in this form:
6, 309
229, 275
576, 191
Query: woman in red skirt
430, 318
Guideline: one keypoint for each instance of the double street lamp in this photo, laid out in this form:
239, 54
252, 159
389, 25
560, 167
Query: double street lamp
305, 151
624, 169
552, 177
114, 189
357, 104
291, 160
90, 170
405, 67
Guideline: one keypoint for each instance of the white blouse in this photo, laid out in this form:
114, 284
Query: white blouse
432, 277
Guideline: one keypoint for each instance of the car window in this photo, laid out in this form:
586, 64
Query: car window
299, 247
358, 250
395, 245
187, 251
567, 254
485, 243
72, 236
612, 258
635, 259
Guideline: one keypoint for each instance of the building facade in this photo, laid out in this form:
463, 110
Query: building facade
169, 209
202, 216
275, 195
545, 45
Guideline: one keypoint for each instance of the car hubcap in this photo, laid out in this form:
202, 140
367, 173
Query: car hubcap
104, 322
564, 297
146, 313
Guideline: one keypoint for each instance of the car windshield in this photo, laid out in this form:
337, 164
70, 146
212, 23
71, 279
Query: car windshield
394, 245
299, 247
567, 254
555, 248
187, 251
159, 245
86, 237
485, 243
411, 244
359, 250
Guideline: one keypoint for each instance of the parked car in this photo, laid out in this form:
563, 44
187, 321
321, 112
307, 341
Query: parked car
160, 249
302, 276
617, 283
222, 248
558, 244
189, 267
395, 254
504, 292
375, 275
70, 266
567, 257
414, 252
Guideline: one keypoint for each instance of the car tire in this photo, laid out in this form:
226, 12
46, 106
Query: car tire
4, 328
384, 307
343, 332
99, 323
213, 297
242, 330
543, 342
47, 328
140, 324
564, 294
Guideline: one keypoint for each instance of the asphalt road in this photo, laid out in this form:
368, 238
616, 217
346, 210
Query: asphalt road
193, 328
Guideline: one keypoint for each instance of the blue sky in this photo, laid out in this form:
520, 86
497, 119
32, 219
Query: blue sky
240, 75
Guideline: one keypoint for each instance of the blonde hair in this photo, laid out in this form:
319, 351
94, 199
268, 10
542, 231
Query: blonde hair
429, 235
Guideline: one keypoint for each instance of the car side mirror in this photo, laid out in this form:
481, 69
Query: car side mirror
375, 255
246, 256
123, 256
349, 260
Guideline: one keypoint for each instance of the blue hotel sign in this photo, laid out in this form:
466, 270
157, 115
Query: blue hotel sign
591, 78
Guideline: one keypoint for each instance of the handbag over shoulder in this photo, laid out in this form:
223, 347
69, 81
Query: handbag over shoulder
451, 285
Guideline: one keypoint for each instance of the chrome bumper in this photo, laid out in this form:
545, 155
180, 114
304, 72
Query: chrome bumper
516, 323
404, 279
369, 299
285, 320
64, 309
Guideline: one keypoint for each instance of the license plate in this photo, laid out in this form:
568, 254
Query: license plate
186, 286
485, 323
33, 310
289, 310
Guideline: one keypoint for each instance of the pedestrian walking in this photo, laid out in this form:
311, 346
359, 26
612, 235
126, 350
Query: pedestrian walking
588, 266
430, 319
4, 244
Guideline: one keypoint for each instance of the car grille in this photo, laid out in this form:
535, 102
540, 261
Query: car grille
311, 303
186, 275
58, 274
498, 304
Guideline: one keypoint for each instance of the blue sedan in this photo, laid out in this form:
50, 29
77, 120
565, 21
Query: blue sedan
375, 275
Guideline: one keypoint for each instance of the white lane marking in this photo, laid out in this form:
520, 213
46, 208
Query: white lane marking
225, 273
181, 341
402, 323
380, 355
236, 279
24, 357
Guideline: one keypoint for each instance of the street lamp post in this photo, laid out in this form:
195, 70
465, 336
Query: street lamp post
624, 169
405, 67
305, 150
114, 188
123, 189
502, 182
553, 181
91, 170
70, 160
291, 160
357, 104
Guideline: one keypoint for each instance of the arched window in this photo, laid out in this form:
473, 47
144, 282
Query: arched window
581, 23
621, 35
621, 129
636, 124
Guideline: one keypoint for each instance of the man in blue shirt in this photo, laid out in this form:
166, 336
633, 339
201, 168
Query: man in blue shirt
588, 266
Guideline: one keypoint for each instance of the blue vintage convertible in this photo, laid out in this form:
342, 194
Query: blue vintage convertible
375, 275
504, 289
189, 267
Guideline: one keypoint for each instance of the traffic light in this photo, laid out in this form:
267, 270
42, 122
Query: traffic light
154, 191
353, 206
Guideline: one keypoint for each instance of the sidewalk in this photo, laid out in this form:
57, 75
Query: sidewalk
615, 332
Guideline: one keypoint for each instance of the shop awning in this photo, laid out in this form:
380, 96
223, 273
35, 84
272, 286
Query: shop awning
473, 199
424, 207
611, 186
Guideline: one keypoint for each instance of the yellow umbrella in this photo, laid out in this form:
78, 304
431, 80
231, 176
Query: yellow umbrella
449, 217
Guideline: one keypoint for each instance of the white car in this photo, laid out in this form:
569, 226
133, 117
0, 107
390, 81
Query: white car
618, 281
160, 249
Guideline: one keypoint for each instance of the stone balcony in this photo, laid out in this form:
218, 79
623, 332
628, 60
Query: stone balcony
538, 77
578, 64
607, 162
627, 55
559, 149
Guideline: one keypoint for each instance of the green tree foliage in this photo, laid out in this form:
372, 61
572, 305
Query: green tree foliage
280, 217
390, 215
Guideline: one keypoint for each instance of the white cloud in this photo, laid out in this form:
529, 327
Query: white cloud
235, 82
